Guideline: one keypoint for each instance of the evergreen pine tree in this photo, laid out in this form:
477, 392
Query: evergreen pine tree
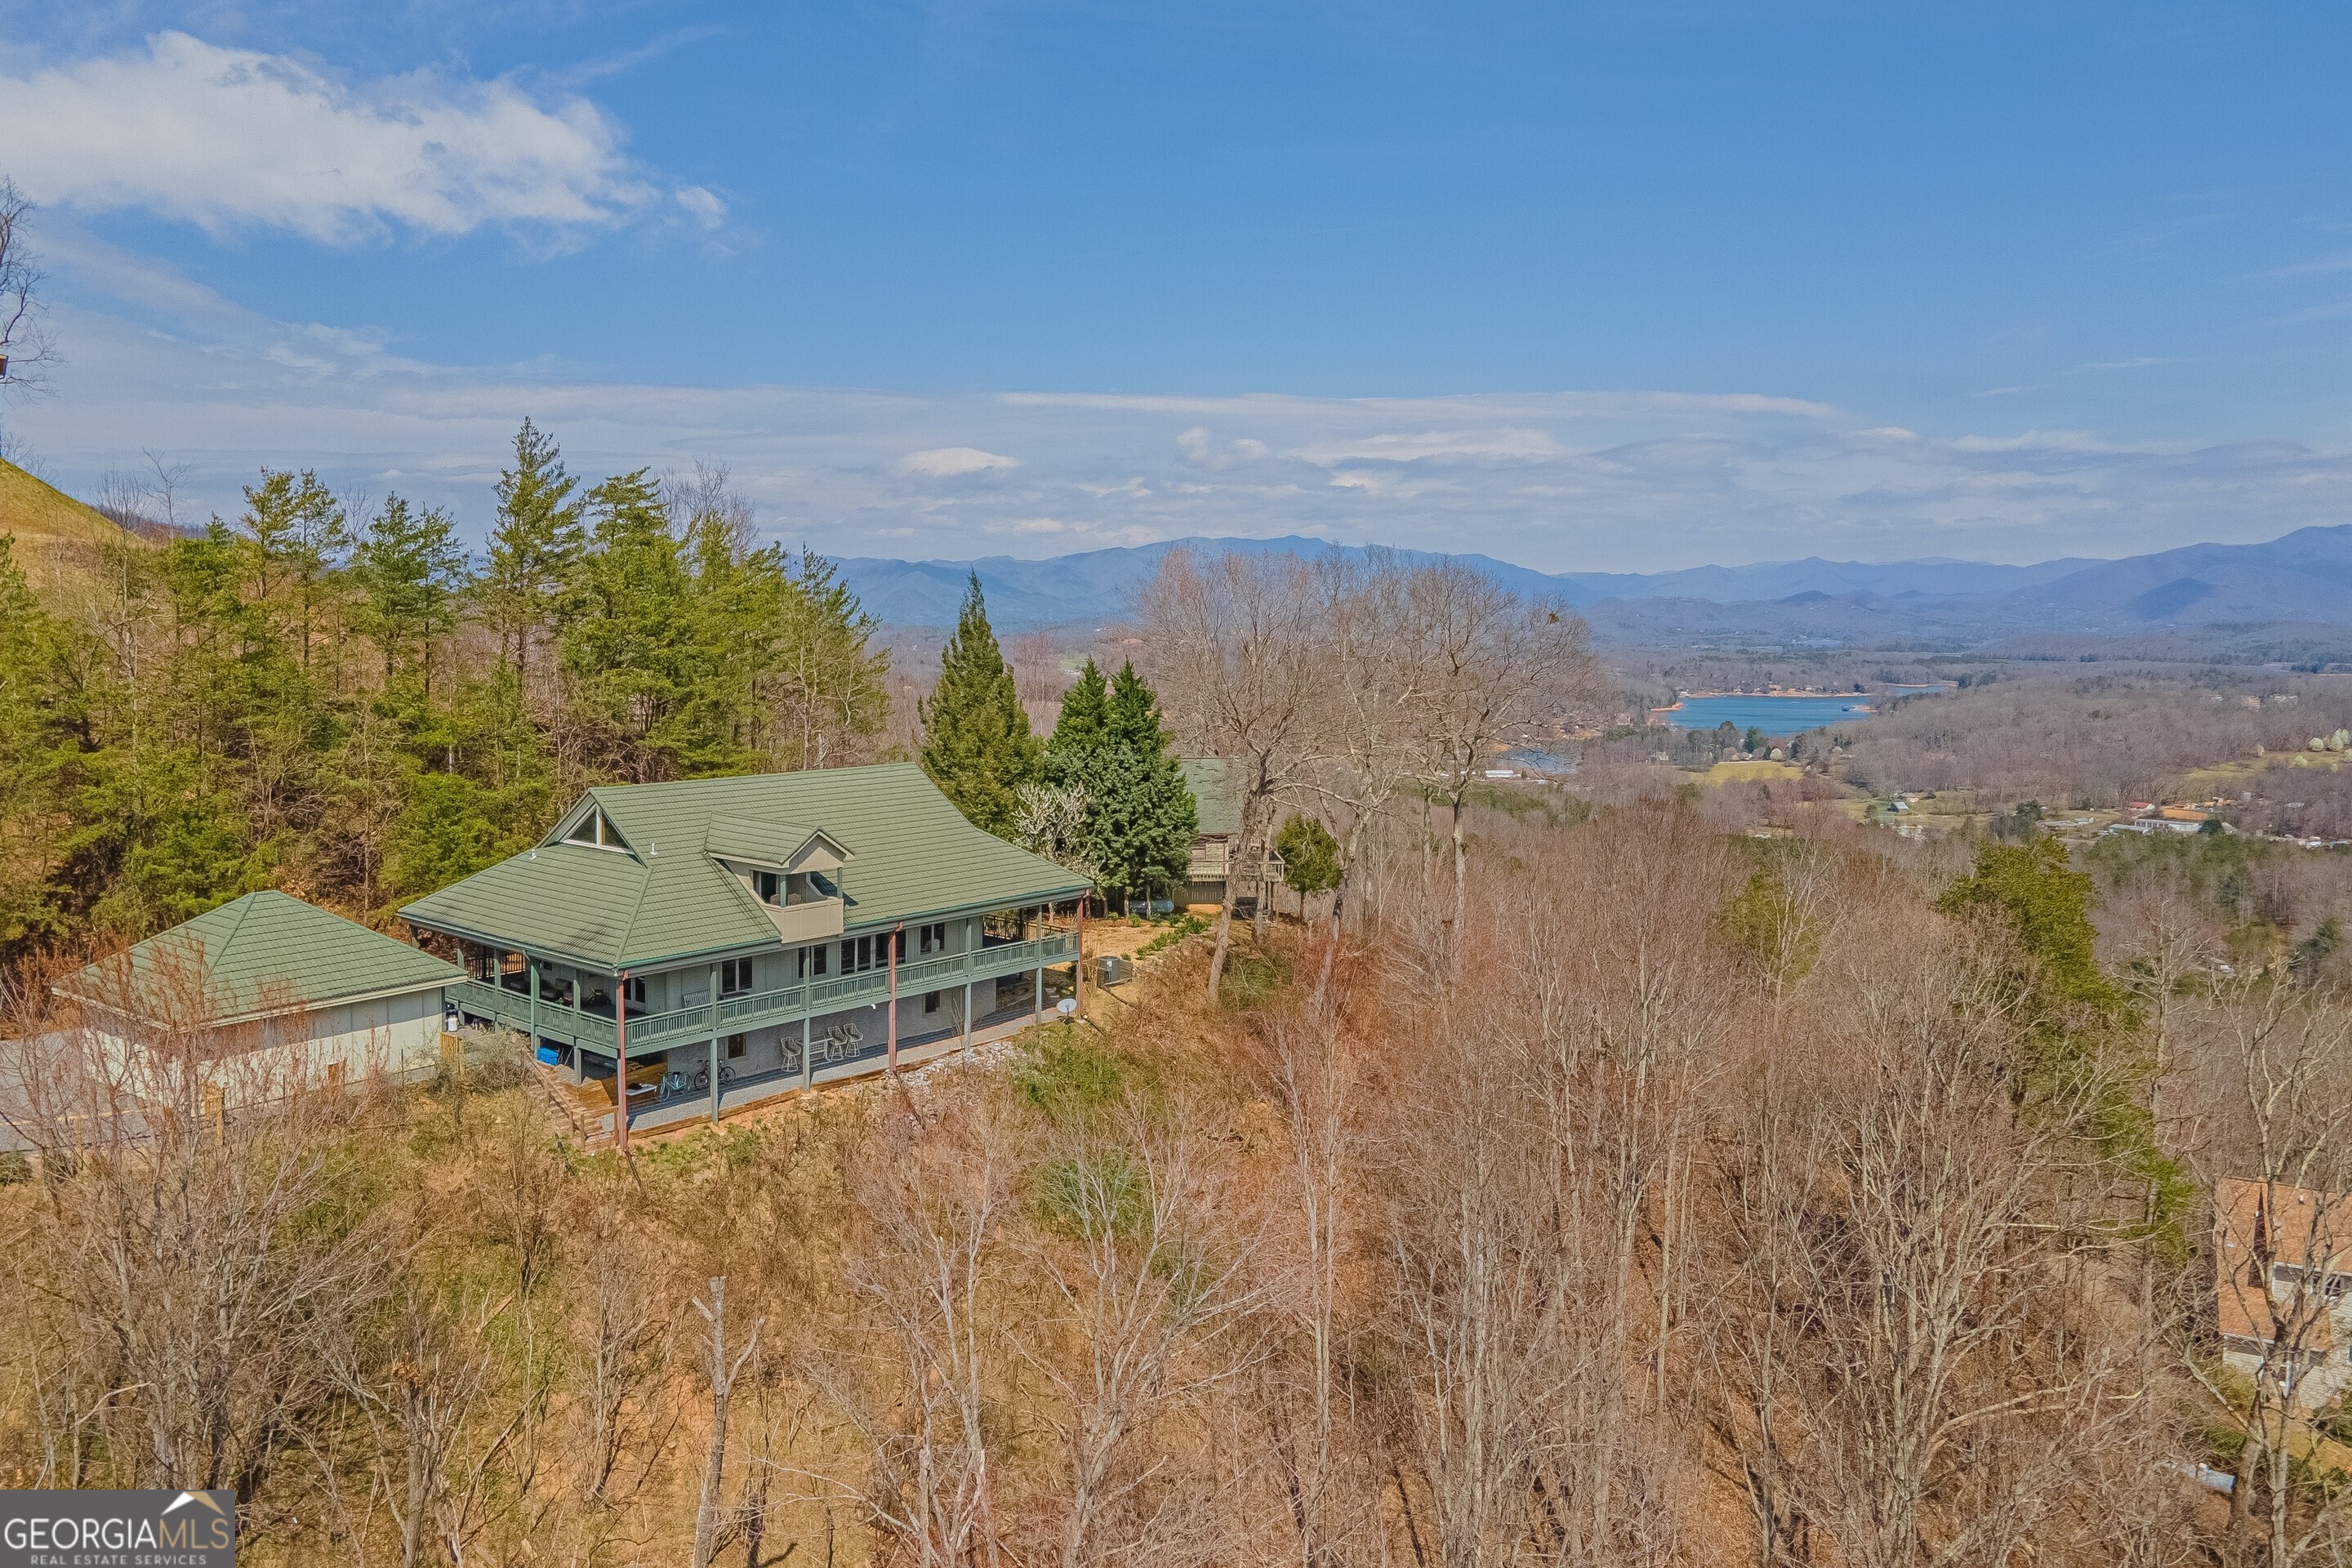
410, 572
40, 709
1140, 816
533, 546
977, 745
634, 658
1083, 729
1133, 719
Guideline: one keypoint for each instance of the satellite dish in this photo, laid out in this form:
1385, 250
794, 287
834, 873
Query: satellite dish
1068, 1006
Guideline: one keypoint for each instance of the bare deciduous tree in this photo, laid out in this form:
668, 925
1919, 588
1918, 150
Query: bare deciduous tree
27, 351
711, 1530
1235, 654
1147, 1280
1492, 666
2271, 1063
916, 1365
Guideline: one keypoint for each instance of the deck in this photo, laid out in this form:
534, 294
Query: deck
513, 1008
588, 1105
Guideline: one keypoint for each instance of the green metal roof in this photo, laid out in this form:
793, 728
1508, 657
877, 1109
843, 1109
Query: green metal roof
767, 843
913, 855
1216, 786
265, 953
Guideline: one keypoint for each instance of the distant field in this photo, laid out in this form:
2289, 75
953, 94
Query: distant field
2223, 777
1767, 769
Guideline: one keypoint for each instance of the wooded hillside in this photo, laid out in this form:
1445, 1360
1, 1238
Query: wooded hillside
334, 699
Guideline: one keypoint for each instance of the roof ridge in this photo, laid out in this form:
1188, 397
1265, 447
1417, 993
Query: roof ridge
720, 779
636, 908
236, 925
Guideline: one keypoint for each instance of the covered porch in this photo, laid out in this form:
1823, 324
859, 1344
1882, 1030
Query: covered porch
707, 1059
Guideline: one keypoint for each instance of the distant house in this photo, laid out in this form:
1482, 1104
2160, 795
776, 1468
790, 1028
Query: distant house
711, 942
2283, 1286
324, 999
1216, 784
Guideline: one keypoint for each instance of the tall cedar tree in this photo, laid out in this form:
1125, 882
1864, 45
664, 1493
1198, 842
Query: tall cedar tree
634, 655
411, 573
535, 546
977, 745
1081, 731
1140, 816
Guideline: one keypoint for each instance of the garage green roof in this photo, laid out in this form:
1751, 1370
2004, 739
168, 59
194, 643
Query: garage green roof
264, 953
664, 897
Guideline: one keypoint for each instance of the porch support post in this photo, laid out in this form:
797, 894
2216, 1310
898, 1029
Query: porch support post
621, 1059
808, 1062
531, 970
714, 1045
967, 1017
891, 1061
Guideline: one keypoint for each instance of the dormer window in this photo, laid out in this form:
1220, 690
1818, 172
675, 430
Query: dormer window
597, 830
764, 884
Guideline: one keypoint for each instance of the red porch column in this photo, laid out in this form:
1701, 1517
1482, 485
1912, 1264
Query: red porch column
621, 1059
893, 940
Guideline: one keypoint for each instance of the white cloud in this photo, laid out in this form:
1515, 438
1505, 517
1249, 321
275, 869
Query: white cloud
1504, 443
707, 209
1199, 447
2340, 262
232, 138
947, 462
1586, 481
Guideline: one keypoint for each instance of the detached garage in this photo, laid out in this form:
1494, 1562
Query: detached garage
305, 995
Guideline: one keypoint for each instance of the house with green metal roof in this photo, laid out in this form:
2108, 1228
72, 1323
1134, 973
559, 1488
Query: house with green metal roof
270, 973
1216, 786
703, 943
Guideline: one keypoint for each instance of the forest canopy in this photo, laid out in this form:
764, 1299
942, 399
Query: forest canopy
332, 696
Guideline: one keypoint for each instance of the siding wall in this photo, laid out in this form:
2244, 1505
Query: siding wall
349, 1043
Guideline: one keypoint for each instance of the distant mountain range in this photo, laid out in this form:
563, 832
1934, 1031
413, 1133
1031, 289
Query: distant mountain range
2305, 576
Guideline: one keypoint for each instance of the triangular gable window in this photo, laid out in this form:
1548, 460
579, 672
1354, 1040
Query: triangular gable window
597, 829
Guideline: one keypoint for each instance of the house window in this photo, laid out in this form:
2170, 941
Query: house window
734, 977
594, 829
812, 960
933, 939
737, 1045
764, 882
636, 991
931, 1001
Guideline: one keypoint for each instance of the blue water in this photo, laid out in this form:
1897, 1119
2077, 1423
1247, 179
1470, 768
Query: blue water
1773, 715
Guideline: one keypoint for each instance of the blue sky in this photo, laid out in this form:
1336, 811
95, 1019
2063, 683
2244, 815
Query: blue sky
1584, 286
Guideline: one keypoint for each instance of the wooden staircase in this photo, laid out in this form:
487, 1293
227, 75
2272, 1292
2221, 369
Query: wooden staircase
585, 1109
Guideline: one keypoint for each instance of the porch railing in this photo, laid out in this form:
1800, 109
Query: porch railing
783, 1005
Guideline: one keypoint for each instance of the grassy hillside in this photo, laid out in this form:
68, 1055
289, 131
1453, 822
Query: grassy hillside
57, 536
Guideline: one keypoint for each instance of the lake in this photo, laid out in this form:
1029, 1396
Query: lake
1775, 715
